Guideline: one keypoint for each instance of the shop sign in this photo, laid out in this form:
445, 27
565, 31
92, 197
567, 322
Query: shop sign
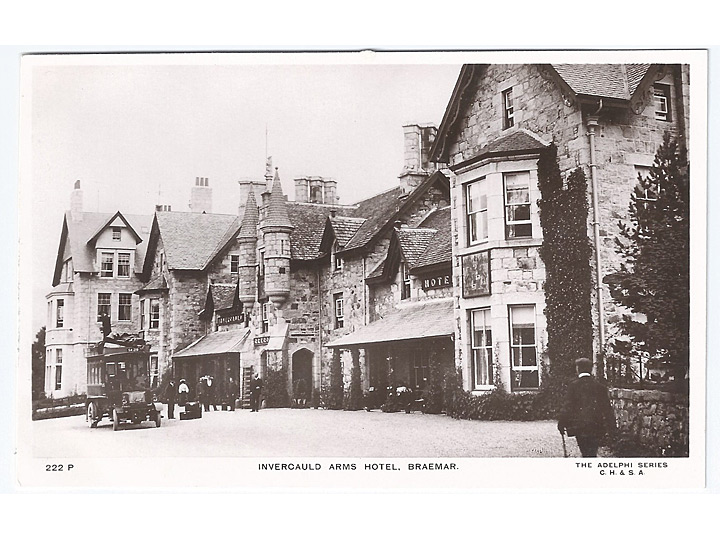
234, 318
436, 282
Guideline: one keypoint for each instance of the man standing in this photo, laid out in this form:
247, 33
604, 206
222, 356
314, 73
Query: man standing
210, 393
586, 414
255, 391
170, 398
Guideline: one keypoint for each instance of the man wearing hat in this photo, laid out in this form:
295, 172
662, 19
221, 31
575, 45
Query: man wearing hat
587, 414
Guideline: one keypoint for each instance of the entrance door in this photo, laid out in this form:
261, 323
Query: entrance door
302, 378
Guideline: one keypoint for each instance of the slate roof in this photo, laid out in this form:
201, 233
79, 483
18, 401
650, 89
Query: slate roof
439, 249
223, 295
248, 227
378, 270
417, 320
377, 211
309, 222
230, 341
414, 242
276, 214
157, 284
618, 81
79, 232
191, 240
345, 228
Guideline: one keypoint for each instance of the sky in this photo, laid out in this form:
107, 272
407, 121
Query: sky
137, 134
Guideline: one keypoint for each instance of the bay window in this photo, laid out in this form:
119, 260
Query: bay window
517, 205
482, 349
476, 211
523, 348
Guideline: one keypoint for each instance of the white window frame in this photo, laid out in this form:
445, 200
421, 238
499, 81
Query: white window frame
142, 314
339, 310
264, 317
661, 96
60, 313
104, 272
475, 216
405, 282
154, 370
57, 379
154, 318
114, 270
511, 224
508, 106
116, 234
129, 306
109, 304
482, 352
117, 264
235, 261
517, 367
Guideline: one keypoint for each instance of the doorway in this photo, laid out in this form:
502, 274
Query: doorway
302, 377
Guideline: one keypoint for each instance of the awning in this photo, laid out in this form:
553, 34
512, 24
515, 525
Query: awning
230, 341
415, 321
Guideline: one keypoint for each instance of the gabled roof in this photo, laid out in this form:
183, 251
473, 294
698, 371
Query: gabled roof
76, 234
276, 214
378, 271
116, 215
345, 228
191, 240
439, 249
615, 81
309, 222
220, 296
413, 243
157, 284
380, 211
619, 83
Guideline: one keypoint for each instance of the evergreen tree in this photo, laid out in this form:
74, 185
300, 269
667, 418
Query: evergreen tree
38, 364
654, 277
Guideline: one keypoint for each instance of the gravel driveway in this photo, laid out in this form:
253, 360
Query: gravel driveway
302, 432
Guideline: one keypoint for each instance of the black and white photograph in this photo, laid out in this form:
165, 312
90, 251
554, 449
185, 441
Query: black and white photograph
401, 270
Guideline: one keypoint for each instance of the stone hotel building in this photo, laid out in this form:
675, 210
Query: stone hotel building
442, 267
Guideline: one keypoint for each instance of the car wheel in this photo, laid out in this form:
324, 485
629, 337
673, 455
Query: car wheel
91, 415
116, 421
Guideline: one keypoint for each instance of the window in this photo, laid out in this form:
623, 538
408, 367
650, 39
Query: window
107, 260
123, 265
477, 218
265, 317
644, 195
124, 307
59, 316
234, 264
58, 369
67, 271
517, 205
261, 264
523, 352
116, 234
337, 262
154, 313
421, 369
48, 378
662, 102
508, 109
405, 273
103, 307
142, 314
154, 371
339, 310
482, 350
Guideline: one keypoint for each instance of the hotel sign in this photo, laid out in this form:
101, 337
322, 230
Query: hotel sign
476, 274
262, 340
437, 282
235, 318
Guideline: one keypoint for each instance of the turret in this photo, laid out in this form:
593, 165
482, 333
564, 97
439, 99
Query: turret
276, 229
247, 242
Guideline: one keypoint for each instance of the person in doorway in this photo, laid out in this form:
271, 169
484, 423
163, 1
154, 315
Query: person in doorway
170, 396
255, 393
210, 393
587, 414
183, 393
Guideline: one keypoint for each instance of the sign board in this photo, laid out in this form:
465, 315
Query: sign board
476, 274
262, 340
437, 282
234, 318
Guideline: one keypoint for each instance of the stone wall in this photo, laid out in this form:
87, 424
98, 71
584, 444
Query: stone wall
659, 419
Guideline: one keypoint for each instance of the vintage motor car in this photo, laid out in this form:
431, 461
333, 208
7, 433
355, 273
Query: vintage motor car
119, 385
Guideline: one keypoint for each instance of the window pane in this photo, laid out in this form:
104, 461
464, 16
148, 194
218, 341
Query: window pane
103, 304
106, 266
58, 377
154, 313
124, 307
123, 264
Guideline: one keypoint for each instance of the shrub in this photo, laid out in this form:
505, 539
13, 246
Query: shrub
275, 390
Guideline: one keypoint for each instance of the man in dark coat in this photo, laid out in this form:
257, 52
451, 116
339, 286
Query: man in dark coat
170, 395
255, 391
587, 414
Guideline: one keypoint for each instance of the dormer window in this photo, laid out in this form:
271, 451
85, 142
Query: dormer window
337, 262
508, 109
116, 234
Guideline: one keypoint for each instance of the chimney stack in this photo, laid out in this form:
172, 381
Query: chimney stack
418, 141
201, 196
76, 202
301, 189
246, 186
